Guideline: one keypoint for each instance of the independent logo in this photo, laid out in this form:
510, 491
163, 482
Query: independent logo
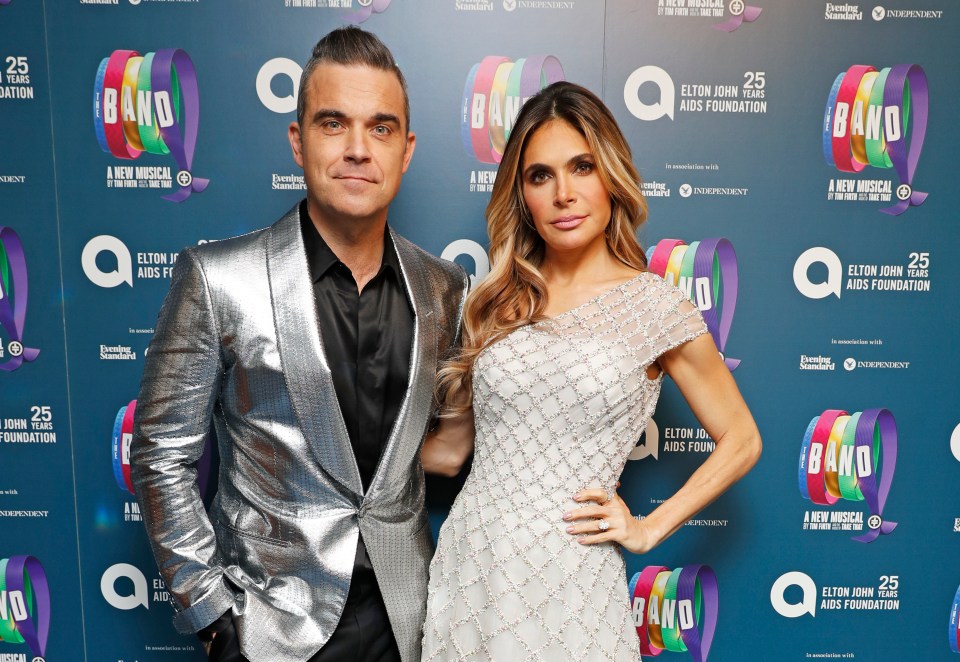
13, 302
878, 118
495, 90
149, 103
675, 610
851, 457
24, 604
706, 271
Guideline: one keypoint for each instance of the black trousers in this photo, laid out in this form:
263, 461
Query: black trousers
362, 635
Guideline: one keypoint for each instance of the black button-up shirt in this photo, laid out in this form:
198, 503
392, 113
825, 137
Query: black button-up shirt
367, 337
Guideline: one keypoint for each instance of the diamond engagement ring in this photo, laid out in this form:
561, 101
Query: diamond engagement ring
603, 524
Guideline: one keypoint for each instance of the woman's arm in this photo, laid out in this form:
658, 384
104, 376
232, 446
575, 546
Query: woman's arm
713, 396
448, 445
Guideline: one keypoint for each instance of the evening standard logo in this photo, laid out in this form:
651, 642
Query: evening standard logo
15, 77
24, 605
842, 12
675, 610
654, 189
883, 595
650, 94
817, 363
472, 250
494, 91
849, 457
473, 5
291, 182
13, 302
876, 118
914, 276
108, 263
151, 104
880, 13
117, 353
707, 272
738, 11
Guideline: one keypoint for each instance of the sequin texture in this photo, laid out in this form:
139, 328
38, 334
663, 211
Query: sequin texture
558, 406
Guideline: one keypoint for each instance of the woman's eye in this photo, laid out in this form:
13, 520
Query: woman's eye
538, 177
584, 168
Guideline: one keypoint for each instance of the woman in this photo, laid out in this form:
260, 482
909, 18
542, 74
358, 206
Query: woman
564, 346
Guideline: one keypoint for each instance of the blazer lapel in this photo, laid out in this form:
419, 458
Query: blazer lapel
417, 403
302, 356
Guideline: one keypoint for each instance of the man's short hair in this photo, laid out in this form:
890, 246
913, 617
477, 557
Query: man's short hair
348, 46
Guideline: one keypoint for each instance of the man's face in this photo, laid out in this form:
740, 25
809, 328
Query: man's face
353, 145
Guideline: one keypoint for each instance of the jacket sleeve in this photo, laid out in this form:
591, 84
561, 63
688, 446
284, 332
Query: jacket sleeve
180, 387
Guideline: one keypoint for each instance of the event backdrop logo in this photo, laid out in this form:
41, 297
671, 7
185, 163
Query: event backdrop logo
108, 588
807, 604
367, 9
122, 436
24, 603
840, 458
13, 299
953, 633
495, 90
150, 103
120, 451
707, 272
668, 607
867, 122
740, 13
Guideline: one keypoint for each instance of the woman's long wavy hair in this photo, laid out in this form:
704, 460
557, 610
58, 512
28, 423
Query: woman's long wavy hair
514, 293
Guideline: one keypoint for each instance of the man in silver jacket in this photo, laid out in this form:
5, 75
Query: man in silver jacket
310, 495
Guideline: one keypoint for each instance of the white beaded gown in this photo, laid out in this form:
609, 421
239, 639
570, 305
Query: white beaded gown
558, 407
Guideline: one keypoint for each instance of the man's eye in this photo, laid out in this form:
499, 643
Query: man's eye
332, 125
381, 130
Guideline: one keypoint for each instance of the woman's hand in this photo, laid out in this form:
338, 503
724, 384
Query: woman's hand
620, 526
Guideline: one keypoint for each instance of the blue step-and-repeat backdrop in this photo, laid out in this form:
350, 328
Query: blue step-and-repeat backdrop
802, 147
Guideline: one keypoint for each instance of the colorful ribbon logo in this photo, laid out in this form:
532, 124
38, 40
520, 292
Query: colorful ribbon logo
120, 452
668, 607
740, 13
707, 272
867, 119
953, 632
24, 603
495, 90
151, 104
840, 458
122, 436
13, 299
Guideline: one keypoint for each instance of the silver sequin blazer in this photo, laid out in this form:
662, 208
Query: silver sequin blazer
237, 346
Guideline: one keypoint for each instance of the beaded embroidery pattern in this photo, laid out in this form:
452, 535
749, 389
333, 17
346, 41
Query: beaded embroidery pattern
558, 407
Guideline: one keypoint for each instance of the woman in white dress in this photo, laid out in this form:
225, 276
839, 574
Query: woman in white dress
564, 347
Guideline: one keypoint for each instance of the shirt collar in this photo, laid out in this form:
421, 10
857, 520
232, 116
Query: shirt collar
320, 258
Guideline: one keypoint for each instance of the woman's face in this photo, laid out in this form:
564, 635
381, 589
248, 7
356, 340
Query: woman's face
562, 189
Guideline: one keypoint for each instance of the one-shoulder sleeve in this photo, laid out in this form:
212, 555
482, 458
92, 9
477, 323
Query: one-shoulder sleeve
673, 319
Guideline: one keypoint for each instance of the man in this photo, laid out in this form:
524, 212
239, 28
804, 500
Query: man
312, 347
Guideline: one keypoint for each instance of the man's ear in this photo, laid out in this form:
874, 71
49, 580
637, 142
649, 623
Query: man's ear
408, 151
296, 144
